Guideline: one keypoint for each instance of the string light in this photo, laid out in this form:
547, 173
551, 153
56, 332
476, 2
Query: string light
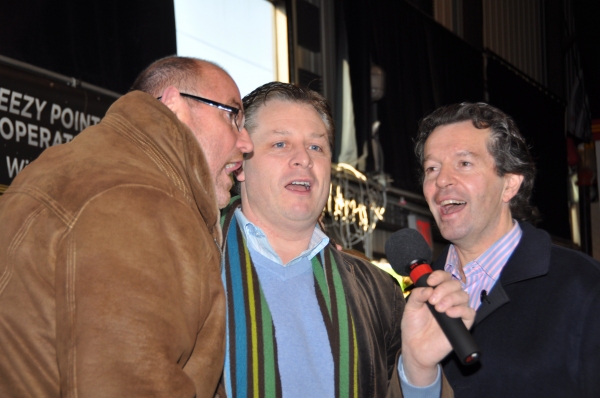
355, 208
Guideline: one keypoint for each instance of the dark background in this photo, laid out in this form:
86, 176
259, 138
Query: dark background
428, 66
108, 43
587, 25
105, 43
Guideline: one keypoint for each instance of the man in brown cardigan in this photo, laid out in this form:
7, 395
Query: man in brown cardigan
110, 245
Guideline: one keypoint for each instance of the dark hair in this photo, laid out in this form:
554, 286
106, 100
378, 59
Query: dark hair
181, 72
506, 145
291, 93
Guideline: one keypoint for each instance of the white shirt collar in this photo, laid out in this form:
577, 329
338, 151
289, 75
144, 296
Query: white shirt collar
257, 240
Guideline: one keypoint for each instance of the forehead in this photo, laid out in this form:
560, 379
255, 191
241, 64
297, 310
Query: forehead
279, 115
457, 139
218, 86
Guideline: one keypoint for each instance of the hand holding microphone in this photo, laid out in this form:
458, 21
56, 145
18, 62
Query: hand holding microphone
409, 255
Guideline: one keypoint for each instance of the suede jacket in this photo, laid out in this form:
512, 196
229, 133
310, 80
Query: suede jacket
109, 268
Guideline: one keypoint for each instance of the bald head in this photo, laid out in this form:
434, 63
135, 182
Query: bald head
185, 73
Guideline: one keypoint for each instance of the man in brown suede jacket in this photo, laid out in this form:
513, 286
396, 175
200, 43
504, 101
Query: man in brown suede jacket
110, 245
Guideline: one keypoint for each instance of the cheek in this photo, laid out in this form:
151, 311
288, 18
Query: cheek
231, 142
259, 173
428, 189
325, 190
322, 167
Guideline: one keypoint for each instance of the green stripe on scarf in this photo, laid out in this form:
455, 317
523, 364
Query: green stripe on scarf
269, 349
246, 301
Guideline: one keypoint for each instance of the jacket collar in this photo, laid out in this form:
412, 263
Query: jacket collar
530, 259
172, 146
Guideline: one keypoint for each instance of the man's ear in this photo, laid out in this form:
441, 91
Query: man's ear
512, 183
171, 98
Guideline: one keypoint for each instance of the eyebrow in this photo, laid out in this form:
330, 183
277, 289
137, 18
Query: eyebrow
281, 132
318, 135
467, 153
236, 104
312, 135
457, 154
233, 103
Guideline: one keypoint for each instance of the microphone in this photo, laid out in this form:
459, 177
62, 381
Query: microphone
409, 254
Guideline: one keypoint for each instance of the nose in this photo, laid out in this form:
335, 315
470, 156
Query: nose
301, 158
244, 143
444, 178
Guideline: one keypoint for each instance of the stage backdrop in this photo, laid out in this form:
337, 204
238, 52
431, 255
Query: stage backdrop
39, 109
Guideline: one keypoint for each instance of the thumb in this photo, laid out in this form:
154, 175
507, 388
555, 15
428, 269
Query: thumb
418, 297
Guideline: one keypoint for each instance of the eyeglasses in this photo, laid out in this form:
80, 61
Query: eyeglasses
235, 116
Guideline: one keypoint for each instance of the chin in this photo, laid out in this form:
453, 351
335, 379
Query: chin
297, 214
223, 200
453, 234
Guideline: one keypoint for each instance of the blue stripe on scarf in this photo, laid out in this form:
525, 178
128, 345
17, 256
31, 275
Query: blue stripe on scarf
237, 295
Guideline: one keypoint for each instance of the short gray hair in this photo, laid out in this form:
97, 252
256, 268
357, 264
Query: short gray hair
181, 72
291, 93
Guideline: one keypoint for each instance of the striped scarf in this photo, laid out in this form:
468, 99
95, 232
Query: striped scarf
251, 370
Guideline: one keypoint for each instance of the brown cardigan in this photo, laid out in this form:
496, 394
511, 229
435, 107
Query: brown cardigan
109, 264
376, 303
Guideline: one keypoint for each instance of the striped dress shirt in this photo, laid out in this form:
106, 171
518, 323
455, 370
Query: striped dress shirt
482, 273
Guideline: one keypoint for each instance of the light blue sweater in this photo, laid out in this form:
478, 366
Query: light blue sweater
305, 359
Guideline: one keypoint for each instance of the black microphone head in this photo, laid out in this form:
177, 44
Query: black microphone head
405, 246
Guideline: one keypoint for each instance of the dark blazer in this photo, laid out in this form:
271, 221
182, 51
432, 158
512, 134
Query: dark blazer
539, 329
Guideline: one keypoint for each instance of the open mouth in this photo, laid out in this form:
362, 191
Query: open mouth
233, 166
302, 186
452, 206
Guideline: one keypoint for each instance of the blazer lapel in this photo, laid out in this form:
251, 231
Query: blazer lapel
530, 259
496, 299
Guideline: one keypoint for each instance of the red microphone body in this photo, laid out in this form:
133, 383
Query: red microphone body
409, 255
455, 330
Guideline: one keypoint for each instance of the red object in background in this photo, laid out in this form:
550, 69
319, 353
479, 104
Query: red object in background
424, 227
572, 154
585, 177
596, 129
